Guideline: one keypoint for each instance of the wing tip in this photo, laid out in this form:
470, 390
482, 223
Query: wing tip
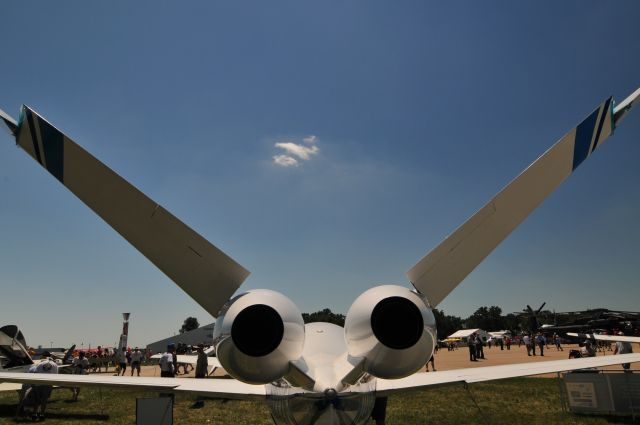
621, 110
10, 123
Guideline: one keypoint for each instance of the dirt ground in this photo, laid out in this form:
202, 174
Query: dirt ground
457, 359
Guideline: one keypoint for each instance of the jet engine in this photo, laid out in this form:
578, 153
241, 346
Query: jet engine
393, 329
257, 334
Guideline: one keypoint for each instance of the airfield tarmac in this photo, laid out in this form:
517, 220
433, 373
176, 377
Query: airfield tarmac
459, 359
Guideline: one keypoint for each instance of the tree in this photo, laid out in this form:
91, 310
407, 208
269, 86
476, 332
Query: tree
512, 323
486, 318
446, 324
325, 315
189, 324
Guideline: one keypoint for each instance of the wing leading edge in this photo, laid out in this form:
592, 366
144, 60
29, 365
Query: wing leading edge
442, 269
230, 388
490, 373
224, 388
192, 360
203, 271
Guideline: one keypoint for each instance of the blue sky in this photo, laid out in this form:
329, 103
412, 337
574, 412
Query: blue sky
420, 112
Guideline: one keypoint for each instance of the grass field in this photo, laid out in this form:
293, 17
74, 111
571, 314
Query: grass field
525, 400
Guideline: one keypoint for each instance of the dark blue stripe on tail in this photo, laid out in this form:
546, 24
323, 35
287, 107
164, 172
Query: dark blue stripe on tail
584, 133
604, 116
34, 140
53, 144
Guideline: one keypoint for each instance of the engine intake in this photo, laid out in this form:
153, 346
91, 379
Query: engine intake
257, 330
393, 329
257, 334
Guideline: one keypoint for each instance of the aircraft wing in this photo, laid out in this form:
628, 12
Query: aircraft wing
611, 338
490, 373
191, 359
442, 269
203, 271
223, 388
211, 361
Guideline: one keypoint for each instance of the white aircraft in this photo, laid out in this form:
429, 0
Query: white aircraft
212, 361
14, 356
317, 373
609, 338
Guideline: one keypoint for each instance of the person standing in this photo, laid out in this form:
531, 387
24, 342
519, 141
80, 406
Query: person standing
167, 369
136, 359
121, 358
471, 343
80, 366
433, 363
623, 347
527, 343
201, 372
541, 341
98, 356
39, 394
479, 347
558, 342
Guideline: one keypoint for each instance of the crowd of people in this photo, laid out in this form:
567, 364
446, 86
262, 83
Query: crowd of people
537, 343
34, 398
118, 358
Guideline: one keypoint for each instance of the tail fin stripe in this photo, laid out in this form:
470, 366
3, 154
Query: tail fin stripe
53, 144
34, 140
603, 117
584, 137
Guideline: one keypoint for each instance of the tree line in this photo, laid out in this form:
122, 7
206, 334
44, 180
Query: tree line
487, 318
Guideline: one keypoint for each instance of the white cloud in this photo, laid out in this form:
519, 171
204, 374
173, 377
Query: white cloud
295, 153
300, 151
285, 161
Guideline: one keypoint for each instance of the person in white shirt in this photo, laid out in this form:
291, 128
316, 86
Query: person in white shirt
527, 343
38, 395
167, 369
80, 366
136, 359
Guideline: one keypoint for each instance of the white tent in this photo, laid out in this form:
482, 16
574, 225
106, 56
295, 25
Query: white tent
464, 334
500, 334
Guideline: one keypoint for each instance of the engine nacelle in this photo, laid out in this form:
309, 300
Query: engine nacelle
393, 329
257, 334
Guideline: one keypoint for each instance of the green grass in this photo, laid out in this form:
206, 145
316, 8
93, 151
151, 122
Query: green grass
529, 401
